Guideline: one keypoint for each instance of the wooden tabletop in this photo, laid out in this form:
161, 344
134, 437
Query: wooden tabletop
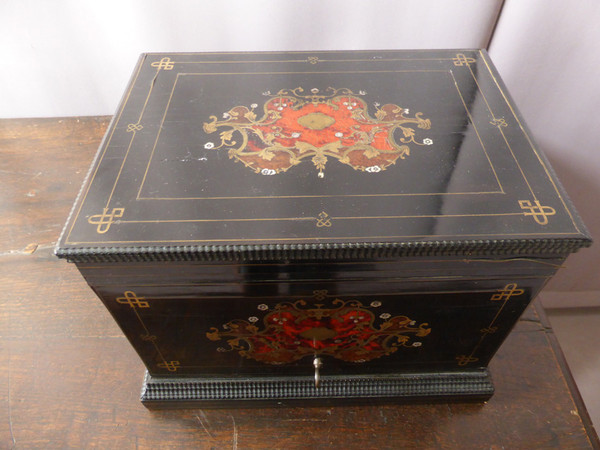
69, 378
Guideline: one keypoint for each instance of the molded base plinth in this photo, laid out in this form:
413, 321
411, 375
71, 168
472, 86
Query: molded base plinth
162, 392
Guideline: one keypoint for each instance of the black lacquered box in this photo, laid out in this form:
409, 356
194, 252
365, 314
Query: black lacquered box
275, 228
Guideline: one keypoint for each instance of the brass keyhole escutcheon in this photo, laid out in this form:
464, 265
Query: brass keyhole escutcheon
317, 363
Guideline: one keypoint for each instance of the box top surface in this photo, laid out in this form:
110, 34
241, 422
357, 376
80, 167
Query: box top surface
213, 155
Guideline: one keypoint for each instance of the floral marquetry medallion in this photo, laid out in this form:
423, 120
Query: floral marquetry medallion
348, 330
294, 125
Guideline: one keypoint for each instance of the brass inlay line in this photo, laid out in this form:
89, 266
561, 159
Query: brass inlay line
304, 61
120, 170
298, 52
323, 219
149, 337
476, 132
104, 220
134, 129
494, 118
232, 241
321, 196
532, 146
158, 135
135, 302
429, 216
416, 279
370, 294
106, 147
308, 71
147, 333
517, 162
481, 92
224, 220
500, 123
505, 294
507, 297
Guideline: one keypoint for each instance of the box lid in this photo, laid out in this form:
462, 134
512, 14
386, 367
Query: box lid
220, 156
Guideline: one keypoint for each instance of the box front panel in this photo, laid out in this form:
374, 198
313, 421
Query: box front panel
354, 327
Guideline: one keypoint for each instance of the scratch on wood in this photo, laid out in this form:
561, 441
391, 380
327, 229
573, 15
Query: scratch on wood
203, 426
305, 420
235, 434
31, 248
18, 172
12, 436
383, 416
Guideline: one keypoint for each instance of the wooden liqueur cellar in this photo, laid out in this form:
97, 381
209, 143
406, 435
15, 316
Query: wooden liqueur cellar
318, 227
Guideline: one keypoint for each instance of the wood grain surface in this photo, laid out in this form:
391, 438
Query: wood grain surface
69, 379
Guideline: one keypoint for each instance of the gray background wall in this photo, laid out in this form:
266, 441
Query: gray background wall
74, 57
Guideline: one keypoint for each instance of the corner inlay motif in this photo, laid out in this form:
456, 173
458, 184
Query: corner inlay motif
106, 219
537, 211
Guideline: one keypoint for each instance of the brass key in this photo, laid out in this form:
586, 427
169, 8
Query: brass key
318, 364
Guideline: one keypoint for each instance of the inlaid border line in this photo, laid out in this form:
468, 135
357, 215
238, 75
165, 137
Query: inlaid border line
138, 196
533, 147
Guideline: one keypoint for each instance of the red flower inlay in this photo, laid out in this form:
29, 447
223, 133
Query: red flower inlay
346, 332
296, 126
